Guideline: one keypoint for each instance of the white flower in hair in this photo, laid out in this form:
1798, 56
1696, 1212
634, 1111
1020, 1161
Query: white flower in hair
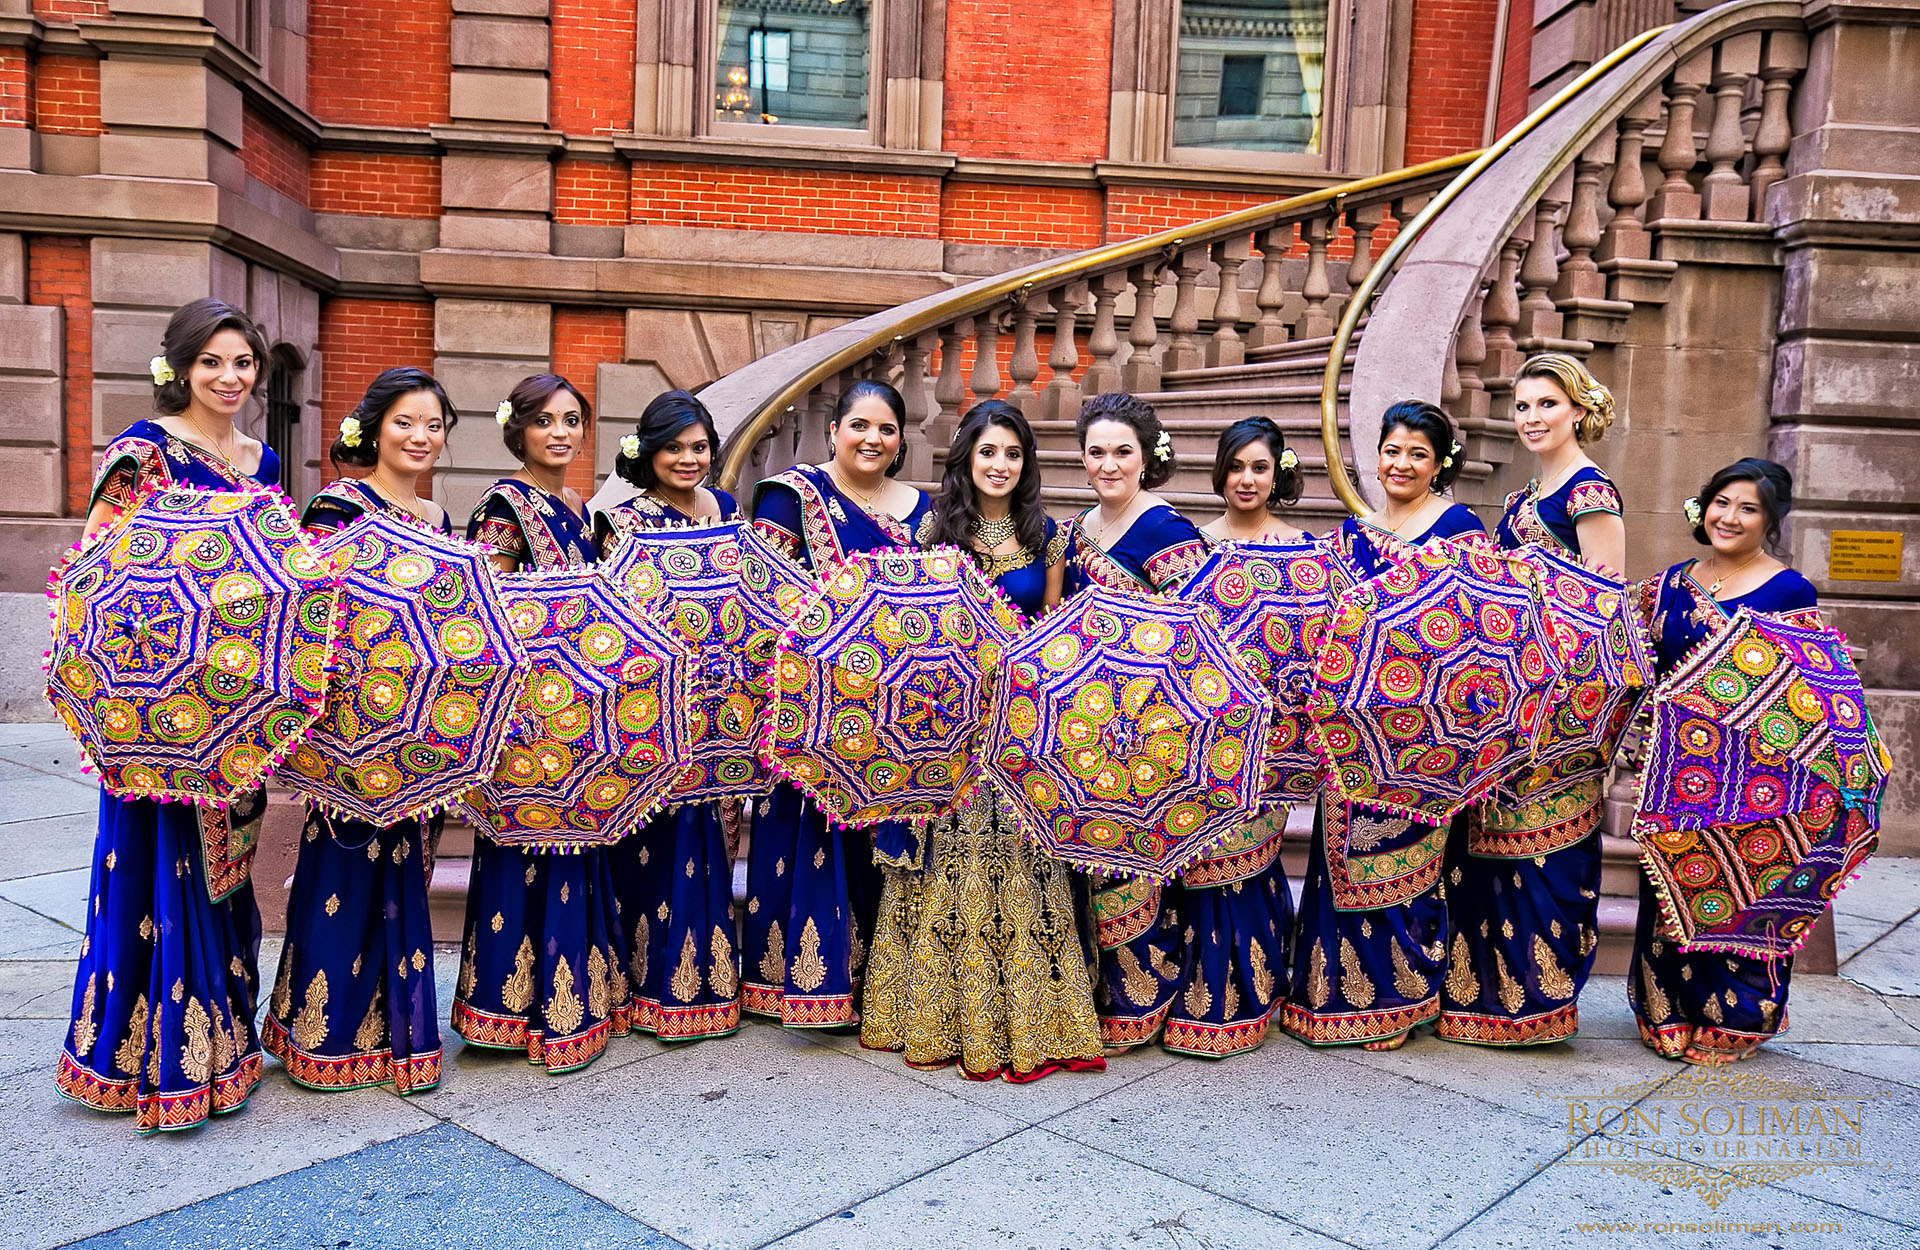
1452, 451
1288, 460
1163, 446
162, 371
1691, 506
504, 413
350, 432
630, 446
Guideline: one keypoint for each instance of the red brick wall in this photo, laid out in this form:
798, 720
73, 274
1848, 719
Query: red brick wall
1025, 216
378, 64
584, 339
1017, 88
592, 66
590, 193
66, 95
60, 272
1451, 56
746, 198
358, 339
69, 10
1515, 69
376, 184
16, 88
276, 157
1134, 211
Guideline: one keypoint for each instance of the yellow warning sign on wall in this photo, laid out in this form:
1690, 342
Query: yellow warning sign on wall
1864, 555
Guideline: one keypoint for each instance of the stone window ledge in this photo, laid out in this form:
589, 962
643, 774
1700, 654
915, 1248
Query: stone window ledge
713, 151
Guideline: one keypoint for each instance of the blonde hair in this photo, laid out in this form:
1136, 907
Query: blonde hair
1593, 399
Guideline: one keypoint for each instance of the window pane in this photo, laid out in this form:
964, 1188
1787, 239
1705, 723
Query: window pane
793, 62
1250, 75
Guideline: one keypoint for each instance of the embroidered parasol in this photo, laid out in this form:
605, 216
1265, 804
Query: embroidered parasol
1433, 682
598, 741
1606, 669
1274, 601
427, 677
1122, 732
880, 686
191, 644
689, 579
1762, 785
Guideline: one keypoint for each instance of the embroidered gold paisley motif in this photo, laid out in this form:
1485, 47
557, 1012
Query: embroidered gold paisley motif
773, 963
663, 913
498, 922
1366, 926
400, 850
1710, 1007
1462, 985
809, 970
223, 1049
566, 891
619, 992
720, 973
1686, 970
1135, 982
146, 927
356, 966
1355, 985
598, 991
1198, 999
516, 993
1512, 994
1653, 999
1554, 981
564, 1010
333, 905
1553, 927
84, 1030
1767, 1008
645, 855
533, 870
373, 851
282, 1005
856, 949
753, 905
689, 870
196, 1052
310, 1026
153, 1048
372, 1033
820, 857
1263, 983
1409, 984
1164, 965
1506, 929
641, 935
1319, 989
465, 988
684, 985
1231, 1007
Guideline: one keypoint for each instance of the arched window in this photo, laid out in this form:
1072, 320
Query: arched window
283, 412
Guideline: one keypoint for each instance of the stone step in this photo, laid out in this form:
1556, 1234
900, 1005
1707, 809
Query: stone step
1296, 349
1306, 368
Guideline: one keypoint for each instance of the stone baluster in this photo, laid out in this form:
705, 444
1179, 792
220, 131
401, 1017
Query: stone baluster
1226, 346
1315, 322
1500, 314
1062, 399
1142, 370
950, 388
1024, 366
1469, 353
1186, 350
1676, 200
985, 381
1540, 320
1270, 330
1625, 238
1724, 195
1786, 56
922, 413
1103, 343
1363, 221
1580, 277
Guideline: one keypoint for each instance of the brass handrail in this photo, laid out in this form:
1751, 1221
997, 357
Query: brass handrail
1405, 238
975, 298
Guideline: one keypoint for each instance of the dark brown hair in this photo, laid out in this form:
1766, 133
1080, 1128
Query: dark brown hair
528, 400
1417, 416
187, 333
1287, 483
1138, 415
1771, 482
957, 507
392, 386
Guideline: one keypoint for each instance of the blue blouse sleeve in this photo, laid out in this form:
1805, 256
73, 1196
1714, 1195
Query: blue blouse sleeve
776, 515
1785, 591
729, 506
268, 474
1458, 519
1175, 544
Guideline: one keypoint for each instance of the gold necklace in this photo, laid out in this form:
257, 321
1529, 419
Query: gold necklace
411, 508
212, 445
1713, 588
1393, 526
1125, 513
693, 512
990, 535
866, 501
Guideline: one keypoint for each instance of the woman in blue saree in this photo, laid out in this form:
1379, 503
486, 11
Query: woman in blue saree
1523, 889
163, 998
812, 890
354, 1002
977, 956
1371, 948
544, 967
1711, 1007
674, 876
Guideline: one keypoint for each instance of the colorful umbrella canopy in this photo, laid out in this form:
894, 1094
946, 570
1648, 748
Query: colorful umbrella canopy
1274, 601
427, 677
1433, 681
1606, 667
599, 738
191, 644
880, 687
1122, 732
689, 579
1761, 789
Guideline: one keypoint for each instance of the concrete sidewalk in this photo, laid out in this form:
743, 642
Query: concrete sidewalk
772, 1137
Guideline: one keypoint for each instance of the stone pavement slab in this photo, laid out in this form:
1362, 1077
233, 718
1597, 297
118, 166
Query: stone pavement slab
1890, 964
59, 896
439, 1187
26, 934
33, 845
1039, 1191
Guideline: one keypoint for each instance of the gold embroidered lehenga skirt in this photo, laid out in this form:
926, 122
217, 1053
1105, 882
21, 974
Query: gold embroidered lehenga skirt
978, 957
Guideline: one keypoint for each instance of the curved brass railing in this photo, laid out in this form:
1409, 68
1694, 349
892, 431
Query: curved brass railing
1410, 233
988, 293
